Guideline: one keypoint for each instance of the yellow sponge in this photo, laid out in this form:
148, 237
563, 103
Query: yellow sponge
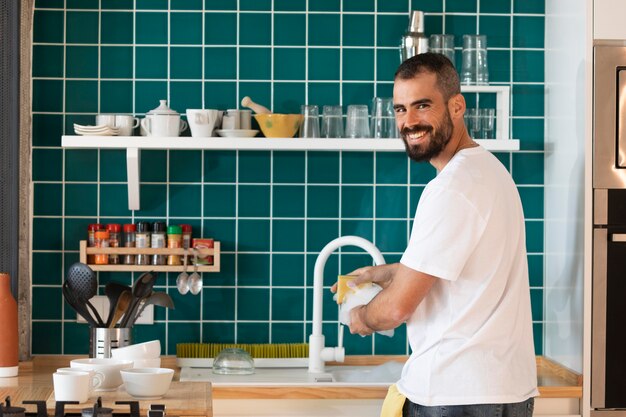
342, 287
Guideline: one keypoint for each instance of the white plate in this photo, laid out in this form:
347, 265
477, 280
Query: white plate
237, 133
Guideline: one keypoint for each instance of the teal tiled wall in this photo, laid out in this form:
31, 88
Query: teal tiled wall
272, 211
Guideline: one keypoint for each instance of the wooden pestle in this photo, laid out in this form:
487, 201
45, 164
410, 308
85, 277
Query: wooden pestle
258, 109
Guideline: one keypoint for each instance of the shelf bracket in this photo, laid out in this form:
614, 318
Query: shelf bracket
503, 108
133, 162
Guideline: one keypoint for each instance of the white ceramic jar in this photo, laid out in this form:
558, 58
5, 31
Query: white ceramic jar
163, 121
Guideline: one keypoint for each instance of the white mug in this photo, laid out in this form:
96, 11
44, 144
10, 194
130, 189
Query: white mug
72, 386
163, 125
202, 122
105, 119
126, 124
231, 120
245, 118
97, 377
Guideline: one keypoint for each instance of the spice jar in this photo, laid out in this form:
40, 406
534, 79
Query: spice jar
129, 242
158, 241
174, 241
114, 241
142, 240
186, 228
91, 238
101, 241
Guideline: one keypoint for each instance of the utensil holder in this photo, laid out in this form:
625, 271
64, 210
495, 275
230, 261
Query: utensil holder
102, 340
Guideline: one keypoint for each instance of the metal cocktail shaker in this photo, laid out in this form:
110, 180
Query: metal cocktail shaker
414, 41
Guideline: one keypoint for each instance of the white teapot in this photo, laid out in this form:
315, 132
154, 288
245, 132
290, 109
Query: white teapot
163, 121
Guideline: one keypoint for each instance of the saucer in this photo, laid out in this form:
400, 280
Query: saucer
237, 133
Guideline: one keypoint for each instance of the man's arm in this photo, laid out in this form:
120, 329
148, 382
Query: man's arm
393, 305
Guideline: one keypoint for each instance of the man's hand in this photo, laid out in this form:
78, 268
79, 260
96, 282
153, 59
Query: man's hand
381, 275
357, 326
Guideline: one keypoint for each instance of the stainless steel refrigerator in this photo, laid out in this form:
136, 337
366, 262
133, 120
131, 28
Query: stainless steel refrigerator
608, 355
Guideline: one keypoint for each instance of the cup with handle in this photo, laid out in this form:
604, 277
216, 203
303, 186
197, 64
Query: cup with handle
202, 121
105, 119
126, 124
72, 386
97, 378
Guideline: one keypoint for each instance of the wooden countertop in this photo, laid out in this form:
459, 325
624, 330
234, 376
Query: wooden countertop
35, 383
555, 381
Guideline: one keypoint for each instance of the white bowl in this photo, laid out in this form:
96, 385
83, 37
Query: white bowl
146, 350
147, 383
109, 367
147, 363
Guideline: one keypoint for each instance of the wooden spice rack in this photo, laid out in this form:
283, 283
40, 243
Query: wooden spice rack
215, 252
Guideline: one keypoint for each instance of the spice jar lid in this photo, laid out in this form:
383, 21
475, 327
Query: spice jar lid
114, 228
159, 227
186, 228
102, 234
95, 226
143, 227
174, 230
129, 228
163, 109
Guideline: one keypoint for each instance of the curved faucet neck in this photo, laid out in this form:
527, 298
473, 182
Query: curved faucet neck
318, 271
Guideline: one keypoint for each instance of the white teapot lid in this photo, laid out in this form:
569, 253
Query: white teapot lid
163, 109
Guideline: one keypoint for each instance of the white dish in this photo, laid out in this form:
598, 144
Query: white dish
145, 350
147, 383
101, 130
110, 368
237, 133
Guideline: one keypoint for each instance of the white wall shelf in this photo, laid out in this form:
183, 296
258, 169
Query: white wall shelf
503, 105
133, 144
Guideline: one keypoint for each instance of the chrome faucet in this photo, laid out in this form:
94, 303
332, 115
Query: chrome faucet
318, 354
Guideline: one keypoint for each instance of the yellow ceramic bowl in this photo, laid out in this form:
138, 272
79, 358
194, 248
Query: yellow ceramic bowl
277, 125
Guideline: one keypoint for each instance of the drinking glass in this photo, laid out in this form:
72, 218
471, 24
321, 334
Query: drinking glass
357, 122
310, 124
383, 124
487, 119
444, 45
472, 121
474, 68
332, 122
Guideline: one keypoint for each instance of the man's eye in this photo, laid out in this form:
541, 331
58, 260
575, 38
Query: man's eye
422, 106
399, 110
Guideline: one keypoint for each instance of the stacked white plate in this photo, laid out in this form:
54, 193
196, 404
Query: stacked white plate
101, 130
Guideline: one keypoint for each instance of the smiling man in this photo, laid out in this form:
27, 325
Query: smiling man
462, 283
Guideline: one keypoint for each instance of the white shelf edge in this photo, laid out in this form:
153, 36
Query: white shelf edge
484, 88
256, 144
133, 144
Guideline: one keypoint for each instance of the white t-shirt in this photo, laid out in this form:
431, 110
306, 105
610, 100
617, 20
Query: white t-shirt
471, 337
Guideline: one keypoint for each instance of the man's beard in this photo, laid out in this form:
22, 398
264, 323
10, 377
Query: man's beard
438, 139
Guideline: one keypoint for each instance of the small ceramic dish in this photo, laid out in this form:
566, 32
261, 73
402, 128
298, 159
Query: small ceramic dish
237, 133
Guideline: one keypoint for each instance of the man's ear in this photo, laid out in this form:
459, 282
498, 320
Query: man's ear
456, 106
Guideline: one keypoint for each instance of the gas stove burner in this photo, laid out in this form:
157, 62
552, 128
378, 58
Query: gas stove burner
8, 410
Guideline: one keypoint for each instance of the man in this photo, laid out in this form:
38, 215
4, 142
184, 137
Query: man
462, 283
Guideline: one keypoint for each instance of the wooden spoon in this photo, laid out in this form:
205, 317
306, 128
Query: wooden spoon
123, 301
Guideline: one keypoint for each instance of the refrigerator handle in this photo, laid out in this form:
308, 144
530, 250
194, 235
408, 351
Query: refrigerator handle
618, 237
598, 322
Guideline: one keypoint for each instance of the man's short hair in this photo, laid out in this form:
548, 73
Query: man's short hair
447, 77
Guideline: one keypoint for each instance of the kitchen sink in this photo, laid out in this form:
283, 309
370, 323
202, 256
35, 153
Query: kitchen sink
380, 375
